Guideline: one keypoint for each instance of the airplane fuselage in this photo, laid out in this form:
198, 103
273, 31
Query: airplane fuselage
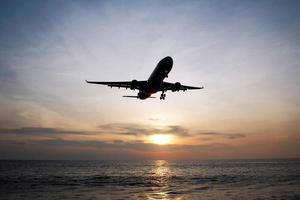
156, 78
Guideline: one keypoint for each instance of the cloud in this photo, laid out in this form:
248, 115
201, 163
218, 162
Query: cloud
140, 129
236, 136
178, 130
221, 134
154, 119
40, 131
114, 145
52, 141
126, 129
61, 142
130, 129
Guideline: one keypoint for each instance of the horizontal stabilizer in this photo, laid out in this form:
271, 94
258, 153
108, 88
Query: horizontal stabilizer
132, 96
136, 97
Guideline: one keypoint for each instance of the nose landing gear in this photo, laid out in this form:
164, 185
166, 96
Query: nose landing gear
162, 96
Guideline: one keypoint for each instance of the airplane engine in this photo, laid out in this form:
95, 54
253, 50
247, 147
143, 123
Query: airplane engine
133, 84
176, 87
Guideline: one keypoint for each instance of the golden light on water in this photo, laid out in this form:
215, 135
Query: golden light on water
161, 139
161, 173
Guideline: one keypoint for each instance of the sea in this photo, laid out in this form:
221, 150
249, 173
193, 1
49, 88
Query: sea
152, 179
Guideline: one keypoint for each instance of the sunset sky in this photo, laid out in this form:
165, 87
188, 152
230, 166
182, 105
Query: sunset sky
244, 53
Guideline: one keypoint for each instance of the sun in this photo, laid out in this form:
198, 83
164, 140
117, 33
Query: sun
161, 139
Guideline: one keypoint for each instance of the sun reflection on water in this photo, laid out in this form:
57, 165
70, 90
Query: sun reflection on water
160, 178
161, 168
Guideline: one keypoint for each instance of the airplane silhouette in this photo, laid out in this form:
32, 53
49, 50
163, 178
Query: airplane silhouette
154, 83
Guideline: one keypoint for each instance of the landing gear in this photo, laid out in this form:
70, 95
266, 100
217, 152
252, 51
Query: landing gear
162, 96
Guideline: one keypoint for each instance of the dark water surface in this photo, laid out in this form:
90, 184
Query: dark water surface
226, 179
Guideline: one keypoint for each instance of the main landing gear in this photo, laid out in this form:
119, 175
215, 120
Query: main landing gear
162, 96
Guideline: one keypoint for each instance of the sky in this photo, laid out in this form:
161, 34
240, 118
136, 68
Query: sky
244, 53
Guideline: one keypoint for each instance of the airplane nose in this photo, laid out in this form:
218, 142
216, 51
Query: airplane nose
168, 60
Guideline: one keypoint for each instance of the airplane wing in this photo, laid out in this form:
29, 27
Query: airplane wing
122, 84
177, 87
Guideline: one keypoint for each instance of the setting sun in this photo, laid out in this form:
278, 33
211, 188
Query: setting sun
161, 139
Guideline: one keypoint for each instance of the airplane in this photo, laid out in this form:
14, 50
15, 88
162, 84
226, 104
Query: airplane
155, 82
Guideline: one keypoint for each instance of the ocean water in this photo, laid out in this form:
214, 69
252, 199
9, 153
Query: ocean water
159, 179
